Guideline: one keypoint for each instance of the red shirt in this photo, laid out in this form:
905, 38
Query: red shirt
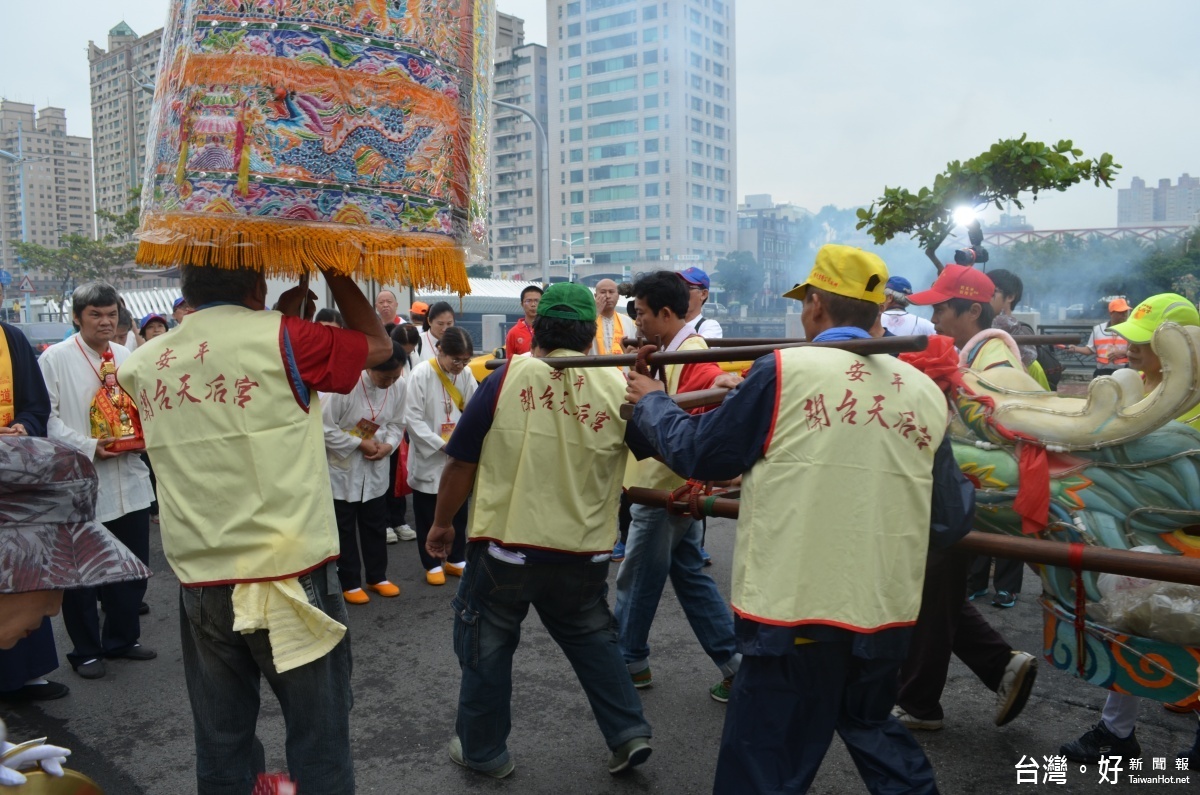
519, 339
326, 359
696, 377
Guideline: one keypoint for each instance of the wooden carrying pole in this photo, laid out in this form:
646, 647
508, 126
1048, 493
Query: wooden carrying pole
864, 347
687, 400
1164, 568
738, 342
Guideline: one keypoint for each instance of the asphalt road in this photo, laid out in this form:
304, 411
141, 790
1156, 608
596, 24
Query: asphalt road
132, 732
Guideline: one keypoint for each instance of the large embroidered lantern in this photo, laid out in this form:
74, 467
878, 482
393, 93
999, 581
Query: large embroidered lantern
345, 134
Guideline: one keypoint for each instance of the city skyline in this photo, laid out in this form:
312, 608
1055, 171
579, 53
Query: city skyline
836, 103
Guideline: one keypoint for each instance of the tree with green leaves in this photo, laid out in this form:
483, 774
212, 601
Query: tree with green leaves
479, 271
740, 275
1003, 173
78, 258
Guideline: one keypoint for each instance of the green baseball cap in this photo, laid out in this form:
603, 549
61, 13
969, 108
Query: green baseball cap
1153, 312
568, 301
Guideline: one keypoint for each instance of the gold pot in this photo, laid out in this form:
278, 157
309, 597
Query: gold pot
39, 782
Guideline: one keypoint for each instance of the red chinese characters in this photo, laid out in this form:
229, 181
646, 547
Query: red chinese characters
200, 353
815, 414
858, 371
243, 386
184, 393
846, 409
164, 361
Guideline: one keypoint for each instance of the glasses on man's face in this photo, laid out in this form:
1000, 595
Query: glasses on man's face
460, 362
531, 301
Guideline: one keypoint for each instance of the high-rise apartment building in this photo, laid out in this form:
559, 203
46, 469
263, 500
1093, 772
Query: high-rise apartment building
120, 108
776, 234
516, 152
48, 192
643, 126
1166, 205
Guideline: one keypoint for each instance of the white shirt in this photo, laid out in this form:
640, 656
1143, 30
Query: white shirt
429, 347
353, 477
706, 327
427, 408
131, 340
902, 324
72, 373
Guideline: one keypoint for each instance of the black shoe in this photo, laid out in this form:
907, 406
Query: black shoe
143, 609
1004, 599
135, 652
47, 691
92, 669
1098, 742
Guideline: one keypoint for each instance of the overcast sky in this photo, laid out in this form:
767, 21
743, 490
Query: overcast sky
838, 100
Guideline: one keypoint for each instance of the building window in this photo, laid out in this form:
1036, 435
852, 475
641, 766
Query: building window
614, 193
576, 197
617, 214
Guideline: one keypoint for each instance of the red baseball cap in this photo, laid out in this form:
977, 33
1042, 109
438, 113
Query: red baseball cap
957, 281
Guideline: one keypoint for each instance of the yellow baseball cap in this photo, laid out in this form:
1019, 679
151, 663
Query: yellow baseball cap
1153, 312
845, 270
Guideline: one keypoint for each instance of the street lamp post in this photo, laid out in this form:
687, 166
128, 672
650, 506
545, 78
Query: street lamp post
571, 244
544, 235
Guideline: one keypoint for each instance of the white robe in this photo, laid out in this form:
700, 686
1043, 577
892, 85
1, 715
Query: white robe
424, 414
353, 477
72, 379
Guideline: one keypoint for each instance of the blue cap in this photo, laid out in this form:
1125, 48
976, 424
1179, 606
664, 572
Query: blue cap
150, 318
178, 301
695, 276
900, 285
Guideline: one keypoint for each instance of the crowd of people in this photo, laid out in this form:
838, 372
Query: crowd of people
277, 513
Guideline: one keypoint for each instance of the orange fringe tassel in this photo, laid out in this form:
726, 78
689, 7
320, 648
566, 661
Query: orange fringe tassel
291, 249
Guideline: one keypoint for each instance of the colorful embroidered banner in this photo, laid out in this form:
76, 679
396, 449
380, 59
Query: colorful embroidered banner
349, 134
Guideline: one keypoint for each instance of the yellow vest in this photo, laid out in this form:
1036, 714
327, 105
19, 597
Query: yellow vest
651, 473
834, 520
243, 487
548, 470
617, 347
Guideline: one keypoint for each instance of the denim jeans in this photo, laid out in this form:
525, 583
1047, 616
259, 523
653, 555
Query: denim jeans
661, 545
223, 669
571, 600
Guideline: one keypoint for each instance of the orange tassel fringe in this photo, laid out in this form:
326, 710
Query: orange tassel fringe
290, 249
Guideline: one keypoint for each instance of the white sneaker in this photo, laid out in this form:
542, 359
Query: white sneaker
390, 535
913, 723
1015, 686
406, 533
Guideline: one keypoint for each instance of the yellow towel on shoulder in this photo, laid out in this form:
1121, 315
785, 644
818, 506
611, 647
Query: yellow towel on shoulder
299, 632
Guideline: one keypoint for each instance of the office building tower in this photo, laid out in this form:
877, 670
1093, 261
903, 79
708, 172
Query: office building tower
47, 193
643, 118
121, 102
517, 154
1166, 205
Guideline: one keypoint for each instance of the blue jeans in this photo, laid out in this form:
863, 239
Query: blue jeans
784, 710
661, 545
223, 669
571, 600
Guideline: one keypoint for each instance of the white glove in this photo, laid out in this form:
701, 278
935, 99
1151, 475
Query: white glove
51, 758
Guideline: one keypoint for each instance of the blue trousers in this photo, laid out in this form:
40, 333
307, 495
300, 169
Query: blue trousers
784, 711
32, 657
571, 599
223, 669
659, 546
